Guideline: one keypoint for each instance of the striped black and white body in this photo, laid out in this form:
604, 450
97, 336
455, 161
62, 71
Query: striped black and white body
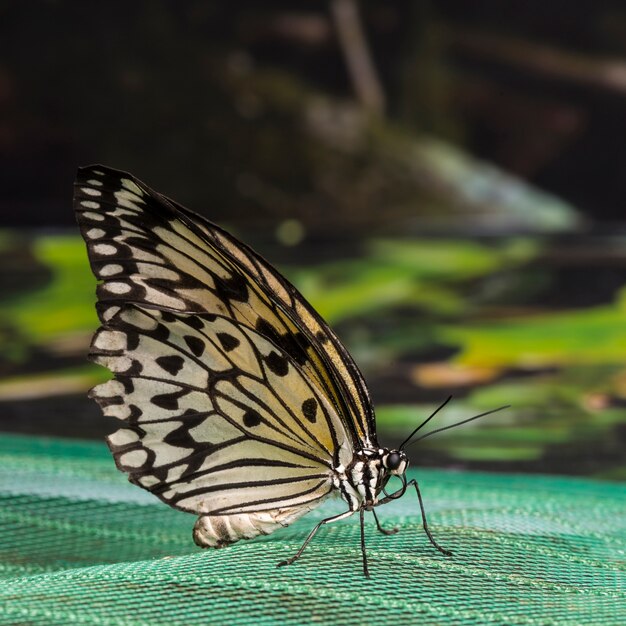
362, 482
238, 402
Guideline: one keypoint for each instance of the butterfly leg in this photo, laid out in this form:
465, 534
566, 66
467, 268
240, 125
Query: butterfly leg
393, 531
328, 520
425, 523
363, 551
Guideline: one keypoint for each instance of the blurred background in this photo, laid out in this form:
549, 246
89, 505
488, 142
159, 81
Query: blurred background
444, 181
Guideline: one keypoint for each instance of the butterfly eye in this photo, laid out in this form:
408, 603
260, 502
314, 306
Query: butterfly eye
394, 460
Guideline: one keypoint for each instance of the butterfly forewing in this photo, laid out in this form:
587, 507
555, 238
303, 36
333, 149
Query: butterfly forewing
152, 252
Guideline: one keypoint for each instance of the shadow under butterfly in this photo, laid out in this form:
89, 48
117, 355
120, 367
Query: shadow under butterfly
239, 403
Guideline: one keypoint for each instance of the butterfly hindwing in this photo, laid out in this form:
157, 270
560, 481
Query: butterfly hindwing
210, 427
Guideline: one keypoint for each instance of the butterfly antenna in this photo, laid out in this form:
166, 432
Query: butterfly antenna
470, 419
406, 441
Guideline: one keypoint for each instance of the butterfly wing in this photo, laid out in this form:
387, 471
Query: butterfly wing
149, 250
212, 427
232, 410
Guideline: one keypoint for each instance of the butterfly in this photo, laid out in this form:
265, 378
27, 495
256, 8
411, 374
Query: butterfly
239, 403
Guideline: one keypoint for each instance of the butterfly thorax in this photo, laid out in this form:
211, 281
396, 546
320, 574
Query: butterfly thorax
361, 482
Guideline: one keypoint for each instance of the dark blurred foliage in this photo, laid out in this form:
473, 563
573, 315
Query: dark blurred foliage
444, 180
247, 108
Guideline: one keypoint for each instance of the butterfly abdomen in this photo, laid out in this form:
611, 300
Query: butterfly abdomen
219, 531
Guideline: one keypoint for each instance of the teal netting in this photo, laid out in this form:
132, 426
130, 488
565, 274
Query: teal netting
80, 545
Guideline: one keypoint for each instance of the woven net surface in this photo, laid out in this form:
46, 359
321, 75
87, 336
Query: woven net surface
79, 545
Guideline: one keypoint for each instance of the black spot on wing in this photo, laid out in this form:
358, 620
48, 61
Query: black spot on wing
135, 369
172, 364
135, 414
181, 436
168, 401
132, 340
309, 409
160, 333
233, 288
168, 317
321, 336
251, 418
264, 328
194, 321
195, 344
228, 341
294, 345
277, 363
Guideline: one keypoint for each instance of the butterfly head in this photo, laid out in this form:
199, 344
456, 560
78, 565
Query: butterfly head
395, 462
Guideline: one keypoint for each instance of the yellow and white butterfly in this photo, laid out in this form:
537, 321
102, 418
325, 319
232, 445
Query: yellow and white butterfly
240, 404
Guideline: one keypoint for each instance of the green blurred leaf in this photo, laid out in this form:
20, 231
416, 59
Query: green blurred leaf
422, 273
66, 304
590, 336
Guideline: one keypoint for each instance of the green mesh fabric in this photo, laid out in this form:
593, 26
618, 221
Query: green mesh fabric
78, 544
